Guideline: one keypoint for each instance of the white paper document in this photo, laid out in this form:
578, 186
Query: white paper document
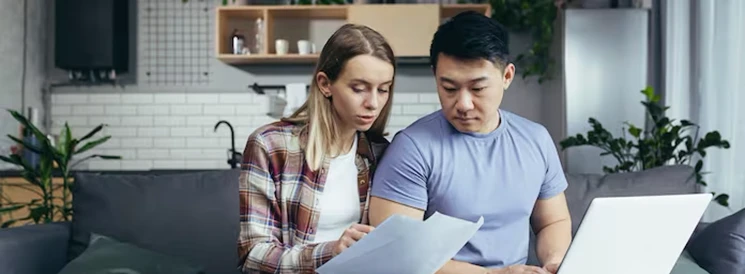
405, 245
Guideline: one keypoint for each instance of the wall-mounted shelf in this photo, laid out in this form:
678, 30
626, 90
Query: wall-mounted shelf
316, 23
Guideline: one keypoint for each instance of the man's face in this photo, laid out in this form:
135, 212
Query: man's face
471, 92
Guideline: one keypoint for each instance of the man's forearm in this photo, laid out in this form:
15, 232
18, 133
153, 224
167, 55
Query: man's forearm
553, 241
458, 267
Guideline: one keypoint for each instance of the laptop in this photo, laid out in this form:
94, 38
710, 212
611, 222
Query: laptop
639, 235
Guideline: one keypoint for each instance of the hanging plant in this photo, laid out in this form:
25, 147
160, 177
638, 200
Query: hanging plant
537, 18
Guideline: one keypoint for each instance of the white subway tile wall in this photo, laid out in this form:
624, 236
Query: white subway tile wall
176, 131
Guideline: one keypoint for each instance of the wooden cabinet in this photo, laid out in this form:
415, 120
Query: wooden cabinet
407, 27
19, 190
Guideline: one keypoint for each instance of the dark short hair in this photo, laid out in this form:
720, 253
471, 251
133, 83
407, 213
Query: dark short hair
471, 35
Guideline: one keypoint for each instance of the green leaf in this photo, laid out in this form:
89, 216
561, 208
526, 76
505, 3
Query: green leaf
9, 160
699, 166
38, 213
722, 199
7, 224
635, 131
92, 144
27, 124
109, 157
92, 132
649, 94
10, 208
26, 144
63, 141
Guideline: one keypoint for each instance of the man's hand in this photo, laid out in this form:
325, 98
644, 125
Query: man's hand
353, 234
551, 268
519, 269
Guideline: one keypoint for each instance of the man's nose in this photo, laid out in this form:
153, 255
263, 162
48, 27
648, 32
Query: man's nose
465, 102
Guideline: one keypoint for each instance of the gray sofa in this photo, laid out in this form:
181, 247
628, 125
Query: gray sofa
194, 216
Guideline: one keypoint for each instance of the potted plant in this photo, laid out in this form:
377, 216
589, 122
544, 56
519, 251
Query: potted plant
54, 160
666, 142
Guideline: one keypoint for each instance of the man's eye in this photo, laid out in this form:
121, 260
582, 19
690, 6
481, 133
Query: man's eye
449, 89
478, 89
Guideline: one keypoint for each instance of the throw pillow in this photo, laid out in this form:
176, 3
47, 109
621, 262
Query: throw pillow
720, 247
189, 215
109, 256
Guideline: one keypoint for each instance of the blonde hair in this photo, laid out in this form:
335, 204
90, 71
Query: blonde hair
317, 113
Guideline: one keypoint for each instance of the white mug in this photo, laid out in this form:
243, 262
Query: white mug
303, 47
281, 46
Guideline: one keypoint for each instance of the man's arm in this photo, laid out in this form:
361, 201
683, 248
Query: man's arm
400, 187
553, 227
551, 220
381, 209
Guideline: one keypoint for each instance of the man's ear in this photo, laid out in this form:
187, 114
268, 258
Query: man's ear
324, 84
509, 75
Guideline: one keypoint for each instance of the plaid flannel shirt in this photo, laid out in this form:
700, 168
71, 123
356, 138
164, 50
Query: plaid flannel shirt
278, 200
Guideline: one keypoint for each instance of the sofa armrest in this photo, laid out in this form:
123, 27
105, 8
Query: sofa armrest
34, 249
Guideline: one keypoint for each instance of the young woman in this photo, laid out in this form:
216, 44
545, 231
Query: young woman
305, 179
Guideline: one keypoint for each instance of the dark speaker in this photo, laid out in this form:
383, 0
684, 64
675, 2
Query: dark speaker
92, 35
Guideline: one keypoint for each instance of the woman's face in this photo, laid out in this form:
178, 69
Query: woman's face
360, 92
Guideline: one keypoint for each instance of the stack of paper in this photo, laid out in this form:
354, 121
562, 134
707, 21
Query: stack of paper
404, 245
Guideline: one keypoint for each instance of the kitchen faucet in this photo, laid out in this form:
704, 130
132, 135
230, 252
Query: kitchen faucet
233, 157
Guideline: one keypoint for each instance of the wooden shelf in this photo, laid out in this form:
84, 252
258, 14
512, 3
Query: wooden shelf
447, 11
294, 22
267, 58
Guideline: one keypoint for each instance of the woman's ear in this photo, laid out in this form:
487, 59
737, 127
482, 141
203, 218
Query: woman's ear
324, 84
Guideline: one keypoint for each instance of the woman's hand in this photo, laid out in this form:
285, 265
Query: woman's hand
519, 269
353, 234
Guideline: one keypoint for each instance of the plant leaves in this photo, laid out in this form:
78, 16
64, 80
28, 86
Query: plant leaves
92, 144
92, 132
8, 223
63, 142
722, 199
12, 208
634, 131
108, 157
26, 144
9, 160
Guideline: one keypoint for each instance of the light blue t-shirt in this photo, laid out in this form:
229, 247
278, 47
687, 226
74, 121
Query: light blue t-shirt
498, 175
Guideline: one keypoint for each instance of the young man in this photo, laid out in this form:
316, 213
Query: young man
473, 159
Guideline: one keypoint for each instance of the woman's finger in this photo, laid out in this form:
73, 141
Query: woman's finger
347, 241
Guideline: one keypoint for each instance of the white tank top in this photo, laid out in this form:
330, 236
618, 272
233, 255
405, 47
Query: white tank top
339, 203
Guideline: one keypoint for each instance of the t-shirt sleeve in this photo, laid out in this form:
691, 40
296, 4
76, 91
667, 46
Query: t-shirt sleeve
554, 181
401, 175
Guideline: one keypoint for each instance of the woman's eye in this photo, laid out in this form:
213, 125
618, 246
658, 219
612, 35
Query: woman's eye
356, 89
382, 90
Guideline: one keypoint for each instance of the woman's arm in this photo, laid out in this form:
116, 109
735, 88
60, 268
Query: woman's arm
259, 245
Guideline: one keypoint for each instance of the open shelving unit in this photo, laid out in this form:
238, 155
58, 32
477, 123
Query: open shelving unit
407, 27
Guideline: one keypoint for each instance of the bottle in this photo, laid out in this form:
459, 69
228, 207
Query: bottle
32, 158
259, 39
238, 41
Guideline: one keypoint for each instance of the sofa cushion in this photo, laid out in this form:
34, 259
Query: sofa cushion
666, 180
720, 247
193, 215
686, 265
107, 255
